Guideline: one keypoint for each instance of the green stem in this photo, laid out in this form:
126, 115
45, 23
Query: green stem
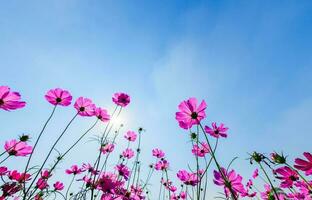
47, 157
273, 188
71, 182
218, 165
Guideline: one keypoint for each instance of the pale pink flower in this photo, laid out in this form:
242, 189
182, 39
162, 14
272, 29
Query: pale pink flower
162, 165
190, 114
107, 148
10, 100
131, 136
128, 153
58, 96
158, 153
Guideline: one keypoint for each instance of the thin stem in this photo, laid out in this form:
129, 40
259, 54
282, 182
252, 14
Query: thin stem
159, 194
103, 138
36, 143
273, 188
218, 165
71, 182
167, 183
5, 159
47, 157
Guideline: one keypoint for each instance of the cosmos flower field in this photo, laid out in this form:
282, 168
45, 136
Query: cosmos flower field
279, 177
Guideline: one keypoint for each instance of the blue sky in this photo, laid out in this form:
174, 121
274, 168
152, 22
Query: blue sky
250, 60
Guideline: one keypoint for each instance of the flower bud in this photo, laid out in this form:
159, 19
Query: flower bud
278, 159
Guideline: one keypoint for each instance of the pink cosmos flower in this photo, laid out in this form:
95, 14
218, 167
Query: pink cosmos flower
188, 178
42, 184
19, 177
3, 170
162, 165
121, 99
74, 169
107, 148
45, 174
10, 100
304, 188
235, 180
304, 165
158, 153
85, 107
17, 148
89, 168
58, 96
123, 171
128, 153
255, 174
190, 114
217, 131
288, 176
58, 186
268, 194
102, 114
201, 150
131, 136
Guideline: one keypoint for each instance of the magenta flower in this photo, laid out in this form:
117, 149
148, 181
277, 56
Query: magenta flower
288, 176
107, 148
102, 114
121, 99
201, 150
45, 174
216, 131
123, 171
58, 96
190, 114
158, 153
128, 153
85, 107
268, 194
89, 168
3, 170
17, 148
304, 165
235, 181
10, 100
162, 165
304, 187
19, 177
74, 169
42, 184
58, 186
188, 178
131, 136
255, 174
